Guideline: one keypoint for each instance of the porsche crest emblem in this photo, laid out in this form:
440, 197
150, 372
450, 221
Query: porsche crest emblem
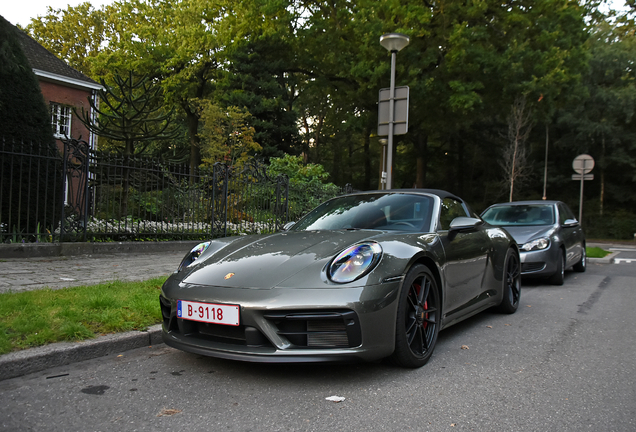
228, 276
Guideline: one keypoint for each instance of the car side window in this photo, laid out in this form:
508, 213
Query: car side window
565, 213
449, 210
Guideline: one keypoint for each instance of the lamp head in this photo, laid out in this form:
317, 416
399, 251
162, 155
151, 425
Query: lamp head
394, 41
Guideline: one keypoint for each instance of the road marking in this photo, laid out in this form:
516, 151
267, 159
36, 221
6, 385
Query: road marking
622, 250
620, 260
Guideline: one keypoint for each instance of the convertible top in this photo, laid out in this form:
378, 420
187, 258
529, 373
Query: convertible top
439, 192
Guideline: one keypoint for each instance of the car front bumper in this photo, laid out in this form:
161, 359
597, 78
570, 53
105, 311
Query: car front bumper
541, 263
287, 325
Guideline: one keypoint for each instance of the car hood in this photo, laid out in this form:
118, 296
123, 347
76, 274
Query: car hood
524, 234
265, 262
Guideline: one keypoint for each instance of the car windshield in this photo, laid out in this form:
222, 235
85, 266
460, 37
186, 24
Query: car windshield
394, 211
526, 214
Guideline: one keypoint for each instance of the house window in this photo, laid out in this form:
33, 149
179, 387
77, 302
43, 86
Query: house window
61, 120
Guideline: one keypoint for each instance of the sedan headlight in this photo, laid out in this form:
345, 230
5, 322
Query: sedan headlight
354, 262
193, 255
538, 244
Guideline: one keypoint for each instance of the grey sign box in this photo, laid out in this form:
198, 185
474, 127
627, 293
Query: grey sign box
400, 114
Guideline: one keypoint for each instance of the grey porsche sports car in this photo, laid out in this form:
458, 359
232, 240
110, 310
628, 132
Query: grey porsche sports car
363, 276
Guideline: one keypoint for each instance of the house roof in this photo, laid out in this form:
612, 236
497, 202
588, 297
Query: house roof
47, 66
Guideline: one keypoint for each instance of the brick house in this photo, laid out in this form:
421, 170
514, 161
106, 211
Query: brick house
63, 88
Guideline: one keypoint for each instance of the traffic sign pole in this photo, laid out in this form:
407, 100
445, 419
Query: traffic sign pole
582, 164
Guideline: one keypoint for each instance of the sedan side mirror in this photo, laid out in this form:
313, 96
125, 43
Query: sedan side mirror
287, 226
570, 223
464, 223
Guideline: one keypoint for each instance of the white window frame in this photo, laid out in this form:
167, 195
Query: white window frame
61, 120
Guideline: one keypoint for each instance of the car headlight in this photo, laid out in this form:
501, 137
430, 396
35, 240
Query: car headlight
538, 244
193, 255
354, 262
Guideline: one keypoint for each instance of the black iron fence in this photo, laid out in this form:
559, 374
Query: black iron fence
83, 195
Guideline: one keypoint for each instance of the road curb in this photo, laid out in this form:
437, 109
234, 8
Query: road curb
605, 260
24, 362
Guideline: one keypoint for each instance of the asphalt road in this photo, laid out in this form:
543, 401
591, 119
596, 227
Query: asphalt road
564, 362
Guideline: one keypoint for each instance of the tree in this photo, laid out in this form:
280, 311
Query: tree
76, 34
226, 135
515, 156
130, 113
26, 128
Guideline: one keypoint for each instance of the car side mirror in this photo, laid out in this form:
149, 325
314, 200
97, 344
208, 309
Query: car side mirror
464, 223
570, 223
287, 226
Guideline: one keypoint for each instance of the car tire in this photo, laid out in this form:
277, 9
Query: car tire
581, 266
559, 276
418, 318
511, 283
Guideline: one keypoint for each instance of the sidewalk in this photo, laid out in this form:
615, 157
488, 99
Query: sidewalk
39, 266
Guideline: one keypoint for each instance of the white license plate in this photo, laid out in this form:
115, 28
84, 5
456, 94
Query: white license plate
208, 312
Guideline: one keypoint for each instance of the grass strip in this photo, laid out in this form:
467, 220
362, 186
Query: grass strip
596, 252
34, 318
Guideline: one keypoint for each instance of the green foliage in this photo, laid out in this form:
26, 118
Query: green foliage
226, 135
308, 74
25, 116
296, 170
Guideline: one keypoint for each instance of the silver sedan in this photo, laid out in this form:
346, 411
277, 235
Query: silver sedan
550, 238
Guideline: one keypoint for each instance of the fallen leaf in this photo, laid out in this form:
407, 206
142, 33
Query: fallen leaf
507, 324
465, 347
168, 412
489, 326
453, 424
529, 306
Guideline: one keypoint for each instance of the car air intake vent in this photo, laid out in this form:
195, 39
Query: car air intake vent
325, 334
325, 329
532, 267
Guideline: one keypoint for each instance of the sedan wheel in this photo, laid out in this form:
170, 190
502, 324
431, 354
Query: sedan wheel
418, 319
511, 283
559, 276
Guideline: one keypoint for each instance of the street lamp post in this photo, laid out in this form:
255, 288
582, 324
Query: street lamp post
393, 42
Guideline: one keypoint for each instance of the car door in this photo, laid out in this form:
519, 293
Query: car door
466, 259
571, 235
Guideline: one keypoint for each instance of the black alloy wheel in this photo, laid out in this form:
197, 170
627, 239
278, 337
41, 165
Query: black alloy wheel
511, 283
418, 319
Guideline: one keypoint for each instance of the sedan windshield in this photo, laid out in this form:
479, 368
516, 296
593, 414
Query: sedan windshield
530, 214
397, 211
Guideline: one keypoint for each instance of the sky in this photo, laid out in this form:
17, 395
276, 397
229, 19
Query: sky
21, 11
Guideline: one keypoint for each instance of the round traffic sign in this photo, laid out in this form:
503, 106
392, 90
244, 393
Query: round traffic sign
583, 164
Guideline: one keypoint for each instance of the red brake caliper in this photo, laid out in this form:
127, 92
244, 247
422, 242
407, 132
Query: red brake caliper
418, 288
